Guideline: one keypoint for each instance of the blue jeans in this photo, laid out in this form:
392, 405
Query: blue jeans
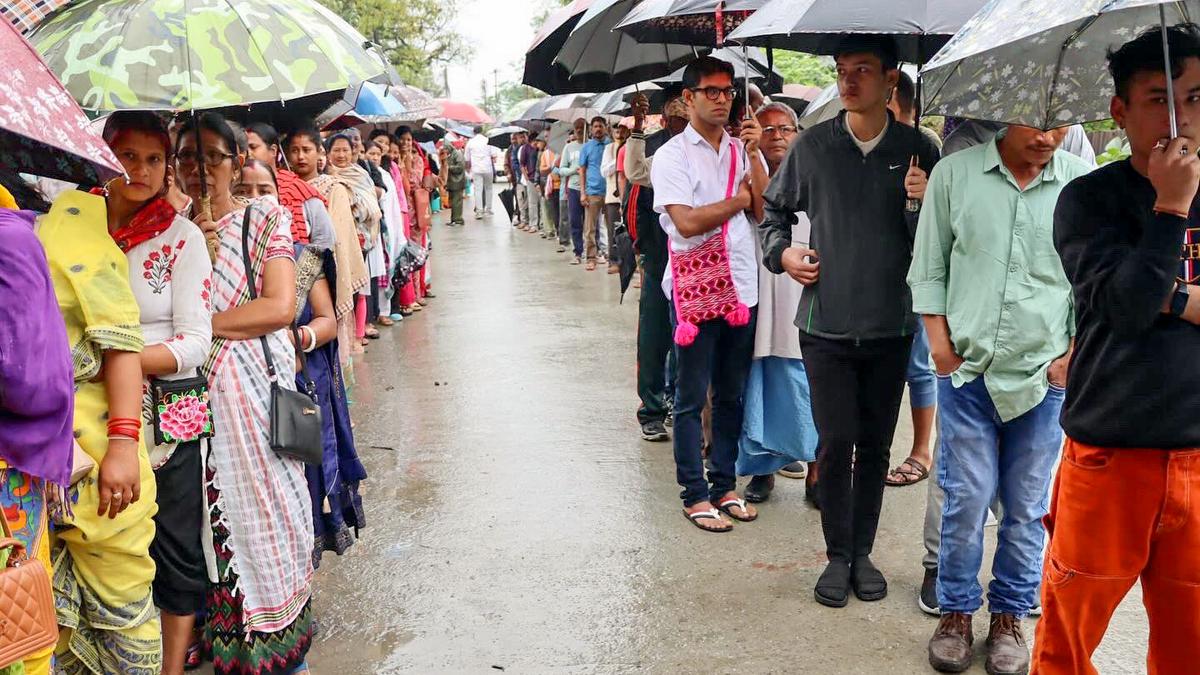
575, 218
922, 384
719, 357
981, 458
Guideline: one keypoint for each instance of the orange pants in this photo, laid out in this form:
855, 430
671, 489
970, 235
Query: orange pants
1117, 516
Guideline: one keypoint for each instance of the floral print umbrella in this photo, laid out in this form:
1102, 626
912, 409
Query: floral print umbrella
200, 54
1037, 63
42, 129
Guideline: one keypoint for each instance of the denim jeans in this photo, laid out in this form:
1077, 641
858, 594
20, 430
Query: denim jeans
719, 357
922, 385
983, 457
575, 217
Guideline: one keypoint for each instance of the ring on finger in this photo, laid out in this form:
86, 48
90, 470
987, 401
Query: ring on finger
1184, 152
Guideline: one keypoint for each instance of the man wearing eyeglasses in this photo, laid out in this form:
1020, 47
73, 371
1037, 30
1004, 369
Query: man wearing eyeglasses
853, 176
696, 199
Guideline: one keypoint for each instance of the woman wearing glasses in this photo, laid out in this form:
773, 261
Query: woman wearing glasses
259, 619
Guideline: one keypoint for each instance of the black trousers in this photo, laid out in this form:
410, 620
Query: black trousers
654, 343
856, 388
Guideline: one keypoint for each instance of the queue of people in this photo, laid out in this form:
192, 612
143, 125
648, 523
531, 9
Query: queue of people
156, 324
794, 282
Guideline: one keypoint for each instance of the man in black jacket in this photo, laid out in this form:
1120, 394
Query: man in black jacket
852, 175
1125, 499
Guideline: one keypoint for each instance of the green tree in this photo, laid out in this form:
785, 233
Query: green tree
416, 35
798, 68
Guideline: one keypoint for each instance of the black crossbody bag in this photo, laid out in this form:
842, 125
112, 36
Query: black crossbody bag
295, 417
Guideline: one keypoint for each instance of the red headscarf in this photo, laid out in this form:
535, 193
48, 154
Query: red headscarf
293, 192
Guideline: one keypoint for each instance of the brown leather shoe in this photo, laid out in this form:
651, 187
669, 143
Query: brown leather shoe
1008, 653
950, 646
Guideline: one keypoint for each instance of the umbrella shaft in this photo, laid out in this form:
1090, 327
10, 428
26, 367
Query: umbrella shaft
1162, 15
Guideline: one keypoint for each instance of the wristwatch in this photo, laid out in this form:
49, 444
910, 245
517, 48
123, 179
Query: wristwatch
1179, 300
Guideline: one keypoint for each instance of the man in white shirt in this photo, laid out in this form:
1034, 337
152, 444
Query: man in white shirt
479, 165
695, 199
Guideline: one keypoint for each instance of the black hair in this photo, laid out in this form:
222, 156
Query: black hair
881, 46
338, 137
600, 119
1145, 53
307, 130
142, 121
240, 137
478, 130
906, 93
264, 131
376, 133
400, 131
27, 196
211, 122
703, 67
252, 163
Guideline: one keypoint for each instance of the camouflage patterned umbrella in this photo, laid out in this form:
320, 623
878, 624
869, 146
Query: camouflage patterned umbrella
200, 54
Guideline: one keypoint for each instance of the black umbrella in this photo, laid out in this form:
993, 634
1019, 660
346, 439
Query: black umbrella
540, 69
501, 137
624, 256
752, 62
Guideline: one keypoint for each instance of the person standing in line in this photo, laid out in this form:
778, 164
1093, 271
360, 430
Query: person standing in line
853, 176
551, 185
778, 429
455, 170
1124, 502
531, 185
997, 308
591, 156
515, 178
650, 241
705, 185
568, 169
479, 163
612, 193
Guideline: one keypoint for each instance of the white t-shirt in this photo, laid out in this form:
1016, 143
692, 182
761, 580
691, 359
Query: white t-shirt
866, 146
687, 171
479, 154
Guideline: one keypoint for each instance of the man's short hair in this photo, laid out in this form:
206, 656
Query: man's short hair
906, 93
880, 46
703, 67
478, 130
779, 108
1145, 53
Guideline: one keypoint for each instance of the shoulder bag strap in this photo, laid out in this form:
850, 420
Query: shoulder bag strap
254, 293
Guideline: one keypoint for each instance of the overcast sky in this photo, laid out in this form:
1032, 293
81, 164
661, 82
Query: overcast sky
500, 31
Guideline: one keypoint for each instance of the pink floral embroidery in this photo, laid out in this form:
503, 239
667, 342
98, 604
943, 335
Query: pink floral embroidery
158, 267
185, 418
206, 293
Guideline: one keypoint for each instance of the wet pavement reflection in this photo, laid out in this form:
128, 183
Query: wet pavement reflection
517, 522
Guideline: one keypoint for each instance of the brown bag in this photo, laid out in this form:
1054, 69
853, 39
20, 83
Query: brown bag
27, 619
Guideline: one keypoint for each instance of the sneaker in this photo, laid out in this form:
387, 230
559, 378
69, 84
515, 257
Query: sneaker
397, 317
950, 646
1008, 653
655, 432
670, 420
561, 249
601, 260
1037, 610
797, 470
613, 268
576, 261
927, 599
489, 212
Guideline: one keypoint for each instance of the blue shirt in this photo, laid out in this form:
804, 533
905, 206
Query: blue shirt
590, 158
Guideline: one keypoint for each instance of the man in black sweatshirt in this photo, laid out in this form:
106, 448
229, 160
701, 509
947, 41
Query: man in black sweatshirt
1125, 498
852, 175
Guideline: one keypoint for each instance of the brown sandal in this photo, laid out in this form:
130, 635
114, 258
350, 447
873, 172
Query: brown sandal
910, 472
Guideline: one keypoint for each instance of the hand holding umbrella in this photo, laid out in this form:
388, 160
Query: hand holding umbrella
1174, 171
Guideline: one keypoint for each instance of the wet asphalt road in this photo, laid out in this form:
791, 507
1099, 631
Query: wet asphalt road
517, 522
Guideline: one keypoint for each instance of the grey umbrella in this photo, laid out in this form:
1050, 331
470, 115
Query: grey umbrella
919, 27
752, 63
1041, 64
594, 58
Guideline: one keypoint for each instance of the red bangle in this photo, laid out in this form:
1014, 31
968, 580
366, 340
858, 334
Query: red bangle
128, 429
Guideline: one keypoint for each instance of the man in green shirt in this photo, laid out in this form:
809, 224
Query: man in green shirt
998, 310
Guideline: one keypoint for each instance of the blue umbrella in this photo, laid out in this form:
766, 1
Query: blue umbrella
375, 104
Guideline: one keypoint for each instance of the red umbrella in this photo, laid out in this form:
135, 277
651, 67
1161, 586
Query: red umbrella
42, 129
463, 112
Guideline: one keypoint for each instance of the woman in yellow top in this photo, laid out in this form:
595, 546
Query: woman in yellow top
101, 545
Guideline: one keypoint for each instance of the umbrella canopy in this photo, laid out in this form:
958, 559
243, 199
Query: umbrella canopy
692, 22
25, 15
753, 63
462, 112
617, 101
798, 96
540, 70
42, 129
418, 105
520, 109
200, 54
501, 137
1040, 64
364, 103
919, 27
594, 58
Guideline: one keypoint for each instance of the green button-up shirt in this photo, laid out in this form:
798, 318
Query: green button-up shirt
984, 258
